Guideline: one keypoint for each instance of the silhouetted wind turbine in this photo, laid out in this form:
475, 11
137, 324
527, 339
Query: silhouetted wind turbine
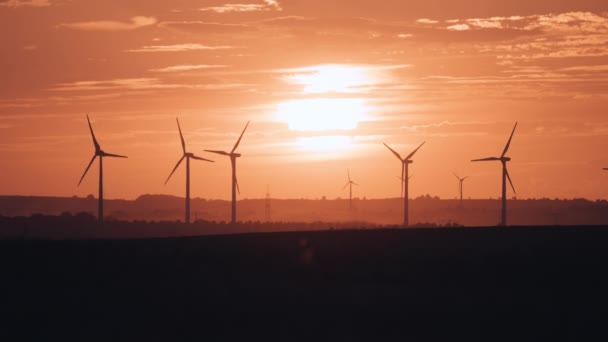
460, 181
187, 156
350, 184
505, 175
235, 183
404, 176
98, 153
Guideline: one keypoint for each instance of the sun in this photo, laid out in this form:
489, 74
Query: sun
322, 114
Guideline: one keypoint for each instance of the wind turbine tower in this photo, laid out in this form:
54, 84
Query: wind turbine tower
460, 181
98, 153
401, 179
235, 183
505, 175
187, 156
405, 176
350, 184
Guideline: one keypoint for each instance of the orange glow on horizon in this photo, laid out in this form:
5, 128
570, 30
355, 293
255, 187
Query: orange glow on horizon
324, 84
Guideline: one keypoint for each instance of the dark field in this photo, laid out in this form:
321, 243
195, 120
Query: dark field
519, 283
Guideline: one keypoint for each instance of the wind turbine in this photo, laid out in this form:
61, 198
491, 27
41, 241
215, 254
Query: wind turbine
235, 183
187, 156
98, 153
350, 184
505, 176
460, 181
404, 176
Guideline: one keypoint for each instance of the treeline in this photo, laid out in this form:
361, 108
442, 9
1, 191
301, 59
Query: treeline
84, 225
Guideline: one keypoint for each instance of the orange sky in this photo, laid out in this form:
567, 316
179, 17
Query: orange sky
324, 83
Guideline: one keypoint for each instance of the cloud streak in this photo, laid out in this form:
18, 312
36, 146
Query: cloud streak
180, 68
25, 3
267, 5
180, 47
140, 84
109, 25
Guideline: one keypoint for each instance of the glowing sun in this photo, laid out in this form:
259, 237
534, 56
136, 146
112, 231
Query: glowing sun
322, 114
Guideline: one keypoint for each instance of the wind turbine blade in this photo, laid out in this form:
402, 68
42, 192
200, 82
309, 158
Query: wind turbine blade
345, 185
416, 150
181, 136
486, 159
356, 184
203, 159
97, 148
394, 152
510, 182
464, 178
113, 155
240, 137
455, 175
509, 142
238, 189
87, 169
218, 152
175, 168
347, 170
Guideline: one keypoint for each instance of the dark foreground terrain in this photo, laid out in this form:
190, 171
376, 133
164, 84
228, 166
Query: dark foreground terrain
510, 284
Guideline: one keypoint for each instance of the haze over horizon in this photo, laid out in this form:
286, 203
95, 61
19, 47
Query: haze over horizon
324, 83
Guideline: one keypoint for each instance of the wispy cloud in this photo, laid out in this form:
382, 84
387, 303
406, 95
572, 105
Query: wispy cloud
203, 26
179, 68
267, 5
140, 84
122, 83
459, 27
340, 78
110, 25
591, 68
25, 3
179, 47
426, 21
586, 22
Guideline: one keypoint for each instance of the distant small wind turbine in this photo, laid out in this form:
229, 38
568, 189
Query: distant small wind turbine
98, 153
350, 184
235, 183
505, 176
187, 156
460, 181
404, 176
